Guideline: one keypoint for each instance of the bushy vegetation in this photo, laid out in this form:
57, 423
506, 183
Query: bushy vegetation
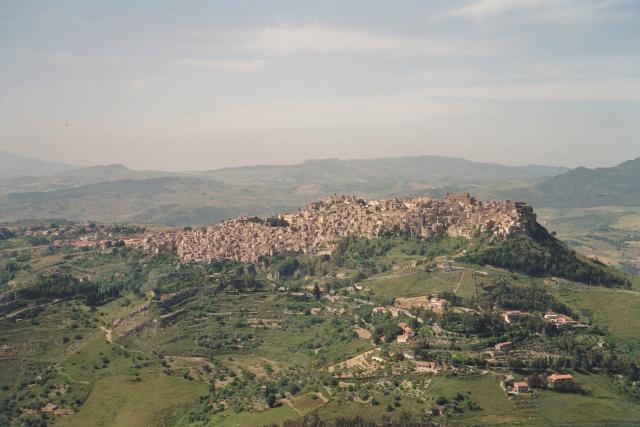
542, 255
518, 297
404, 420
359, 252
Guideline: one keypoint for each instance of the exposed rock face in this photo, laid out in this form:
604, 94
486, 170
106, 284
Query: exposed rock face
318, 226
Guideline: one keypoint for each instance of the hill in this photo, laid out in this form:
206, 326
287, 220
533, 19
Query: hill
13, 165
540, 254
77, 178
421, 171
116, 193
164, 200
583, 187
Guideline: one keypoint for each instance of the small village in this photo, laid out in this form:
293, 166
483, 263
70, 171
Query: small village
401, 355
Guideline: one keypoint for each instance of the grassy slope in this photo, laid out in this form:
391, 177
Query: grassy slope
116, 401
617, 310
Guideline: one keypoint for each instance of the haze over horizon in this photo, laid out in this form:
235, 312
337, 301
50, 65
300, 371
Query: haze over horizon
205, 85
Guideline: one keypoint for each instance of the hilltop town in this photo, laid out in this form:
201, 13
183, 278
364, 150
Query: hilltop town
315, 228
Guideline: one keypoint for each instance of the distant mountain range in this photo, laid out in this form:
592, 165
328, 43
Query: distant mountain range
115, 193
75, 178
584, 188
13, 165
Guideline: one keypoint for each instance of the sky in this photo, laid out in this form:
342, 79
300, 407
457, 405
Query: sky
195, 85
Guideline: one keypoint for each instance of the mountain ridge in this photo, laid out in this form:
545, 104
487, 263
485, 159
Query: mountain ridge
14, 165
583, 187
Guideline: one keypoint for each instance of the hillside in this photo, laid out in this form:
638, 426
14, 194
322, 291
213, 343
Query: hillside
165, 200
117, 336
77, 178
540, 254
582, 188
13, 165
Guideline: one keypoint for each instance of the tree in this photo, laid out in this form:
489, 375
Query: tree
316, 291
271, 400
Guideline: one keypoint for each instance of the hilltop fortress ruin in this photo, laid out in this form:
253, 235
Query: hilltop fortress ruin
320, 225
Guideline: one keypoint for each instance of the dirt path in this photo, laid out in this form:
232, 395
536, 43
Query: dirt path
502, 383
74, 381
271, 362
455, 290
191, 359
288, 402
107, 333
392, 275
15, 313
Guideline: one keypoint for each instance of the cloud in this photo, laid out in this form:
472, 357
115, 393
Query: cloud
586, 90
68, 58
223, 64
61, 58
324, 39
138, 84
575, 10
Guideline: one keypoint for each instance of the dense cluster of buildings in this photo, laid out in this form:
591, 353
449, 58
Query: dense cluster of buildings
320, 225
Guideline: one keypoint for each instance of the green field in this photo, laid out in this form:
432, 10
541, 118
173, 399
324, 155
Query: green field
117, 401
412, 283
616, 310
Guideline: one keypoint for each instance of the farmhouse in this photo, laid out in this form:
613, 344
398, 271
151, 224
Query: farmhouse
561, 321
408, 330
513, 316
377, 310
555, 379
521, 387
409, 354
503, 346
403, 338
427, 367
438, 304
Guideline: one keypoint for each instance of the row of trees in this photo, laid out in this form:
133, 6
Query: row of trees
404, 420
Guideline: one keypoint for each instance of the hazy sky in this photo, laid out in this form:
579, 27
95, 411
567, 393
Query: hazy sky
204, 84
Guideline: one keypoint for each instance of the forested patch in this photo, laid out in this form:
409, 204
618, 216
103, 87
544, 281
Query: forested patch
543, 255
518, 297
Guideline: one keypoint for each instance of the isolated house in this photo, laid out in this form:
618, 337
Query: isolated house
408, 330
521, 387
403, 338
503, 346
513, 316
409, 354
555, 379
427, 367
561, 321
438, 304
